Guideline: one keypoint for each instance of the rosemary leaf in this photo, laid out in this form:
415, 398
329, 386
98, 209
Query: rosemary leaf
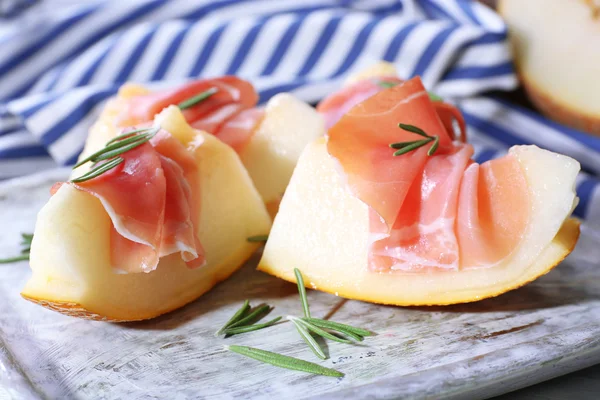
401, 145
433, 148
23, 257
99, 170
250, 328
413, 129
308, 338
336, 326
412, 147
121, 145
258, 238
26, 250
192, 101
324, 334
125, 145
279, 360
248, 319
126, 135
434, 97
239, 314
387, 84
302, 292
28, 237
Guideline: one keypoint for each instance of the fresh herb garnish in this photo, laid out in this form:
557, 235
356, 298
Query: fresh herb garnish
388, 84
192, 101
307, 326
405, 147
282, 361
25, 250
258, 238
112, 151
244, 320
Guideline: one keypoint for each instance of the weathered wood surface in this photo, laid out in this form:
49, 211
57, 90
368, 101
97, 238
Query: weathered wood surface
548, 328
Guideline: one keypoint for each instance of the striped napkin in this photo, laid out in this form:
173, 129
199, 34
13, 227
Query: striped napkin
60, 60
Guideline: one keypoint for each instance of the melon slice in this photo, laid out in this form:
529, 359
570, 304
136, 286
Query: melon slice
323, 230
556, 52
272, 153
70, 253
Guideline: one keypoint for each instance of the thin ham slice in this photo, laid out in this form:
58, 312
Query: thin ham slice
229, 113
334, 106
427, 213
152, 199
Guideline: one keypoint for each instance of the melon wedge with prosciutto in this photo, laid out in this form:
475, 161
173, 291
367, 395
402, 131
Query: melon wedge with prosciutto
72, 254
419, 229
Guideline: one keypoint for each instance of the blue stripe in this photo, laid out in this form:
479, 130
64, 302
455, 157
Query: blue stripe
118, 23
56, 131
488, 128
434, 11
589, 141
394, 47
209, 46
486, 155
480, 72
467, 7
134, 57
266, 94
73, 159
320, 46
23, 151
245, 47
168, 56
584, 191
46, 40
202, 11
357, 47
282, 47
489, 38
431, 50
91, 71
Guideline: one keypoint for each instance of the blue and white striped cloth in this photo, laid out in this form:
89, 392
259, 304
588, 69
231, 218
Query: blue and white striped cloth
60, 60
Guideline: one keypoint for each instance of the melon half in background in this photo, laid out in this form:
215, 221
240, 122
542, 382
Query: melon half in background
556, 46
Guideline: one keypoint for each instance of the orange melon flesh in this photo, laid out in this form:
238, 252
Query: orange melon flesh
323, 230
70, 253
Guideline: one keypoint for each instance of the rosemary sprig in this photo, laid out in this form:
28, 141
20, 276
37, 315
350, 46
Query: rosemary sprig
387, 84
282, 361
239, 314
192, 101
336, 326
243, 320
405, 147
324, 334
26, 248
112, 152
308, 338
250, 328
302, 292
253, 316
258, 238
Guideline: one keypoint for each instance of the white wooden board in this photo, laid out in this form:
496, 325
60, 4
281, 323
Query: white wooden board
548, 328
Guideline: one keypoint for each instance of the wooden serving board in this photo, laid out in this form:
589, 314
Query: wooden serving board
548, 328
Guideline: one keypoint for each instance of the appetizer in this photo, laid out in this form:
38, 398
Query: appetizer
390, 208
268, 140
154, 216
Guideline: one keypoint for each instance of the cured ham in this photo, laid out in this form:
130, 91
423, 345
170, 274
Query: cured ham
152, 199
439, 211
337, 104
229, 112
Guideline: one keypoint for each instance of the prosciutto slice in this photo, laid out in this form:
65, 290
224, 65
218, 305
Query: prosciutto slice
152, 199
438, 212
229, 113
336, 105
